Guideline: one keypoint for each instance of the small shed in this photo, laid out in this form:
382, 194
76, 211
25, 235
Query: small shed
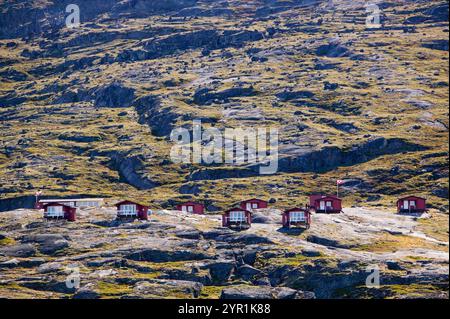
328, 204
253, 203
191, 207
297, 217
59, 211
237, 218
130, 209
412, 204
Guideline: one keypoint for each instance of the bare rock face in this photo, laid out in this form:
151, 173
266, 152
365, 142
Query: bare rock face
221, 270
161, 255
162, 288
205, 96
49, 244
113, 95
12, 263
86, 292
22, 250
90, 110
128, 168
264, 293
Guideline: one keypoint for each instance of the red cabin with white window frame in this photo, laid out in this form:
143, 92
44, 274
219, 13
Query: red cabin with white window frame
253, 203
297, 217
327, 204
191, 207
412, 204
129, 209
59, 211
237, 218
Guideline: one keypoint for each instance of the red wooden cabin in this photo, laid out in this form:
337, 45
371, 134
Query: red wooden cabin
297, 217
130, 209
237, 218
191, 207
328, 204
412, 204
59, 211
254, 203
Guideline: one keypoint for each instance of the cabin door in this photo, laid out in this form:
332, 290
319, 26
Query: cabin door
322, 205
248, 206
406, 204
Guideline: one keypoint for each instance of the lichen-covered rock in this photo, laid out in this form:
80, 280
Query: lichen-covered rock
113, 95
21, 250
49, 244
168, 289
161, 255
263, 292
221, 270
51, 267
12, 263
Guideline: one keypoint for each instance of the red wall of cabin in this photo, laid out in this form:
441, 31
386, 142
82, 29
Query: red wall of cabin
261, 203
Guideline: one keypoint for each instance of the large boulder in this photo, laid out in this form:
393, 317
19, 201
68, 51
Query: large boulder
51, 267
221, 270
21, 250
113, 95
49, 244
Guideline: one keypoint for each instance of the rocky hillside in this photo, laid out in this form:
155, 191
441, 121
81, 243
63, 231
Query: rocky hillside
89, 110
191, 256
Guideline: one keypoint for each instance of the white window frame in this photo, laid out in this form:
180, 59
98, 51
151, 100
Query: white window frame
248, 206
55, 211
128, 209
297, 216
412, 203
237, 216
329, 204
190, 208
255, 205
